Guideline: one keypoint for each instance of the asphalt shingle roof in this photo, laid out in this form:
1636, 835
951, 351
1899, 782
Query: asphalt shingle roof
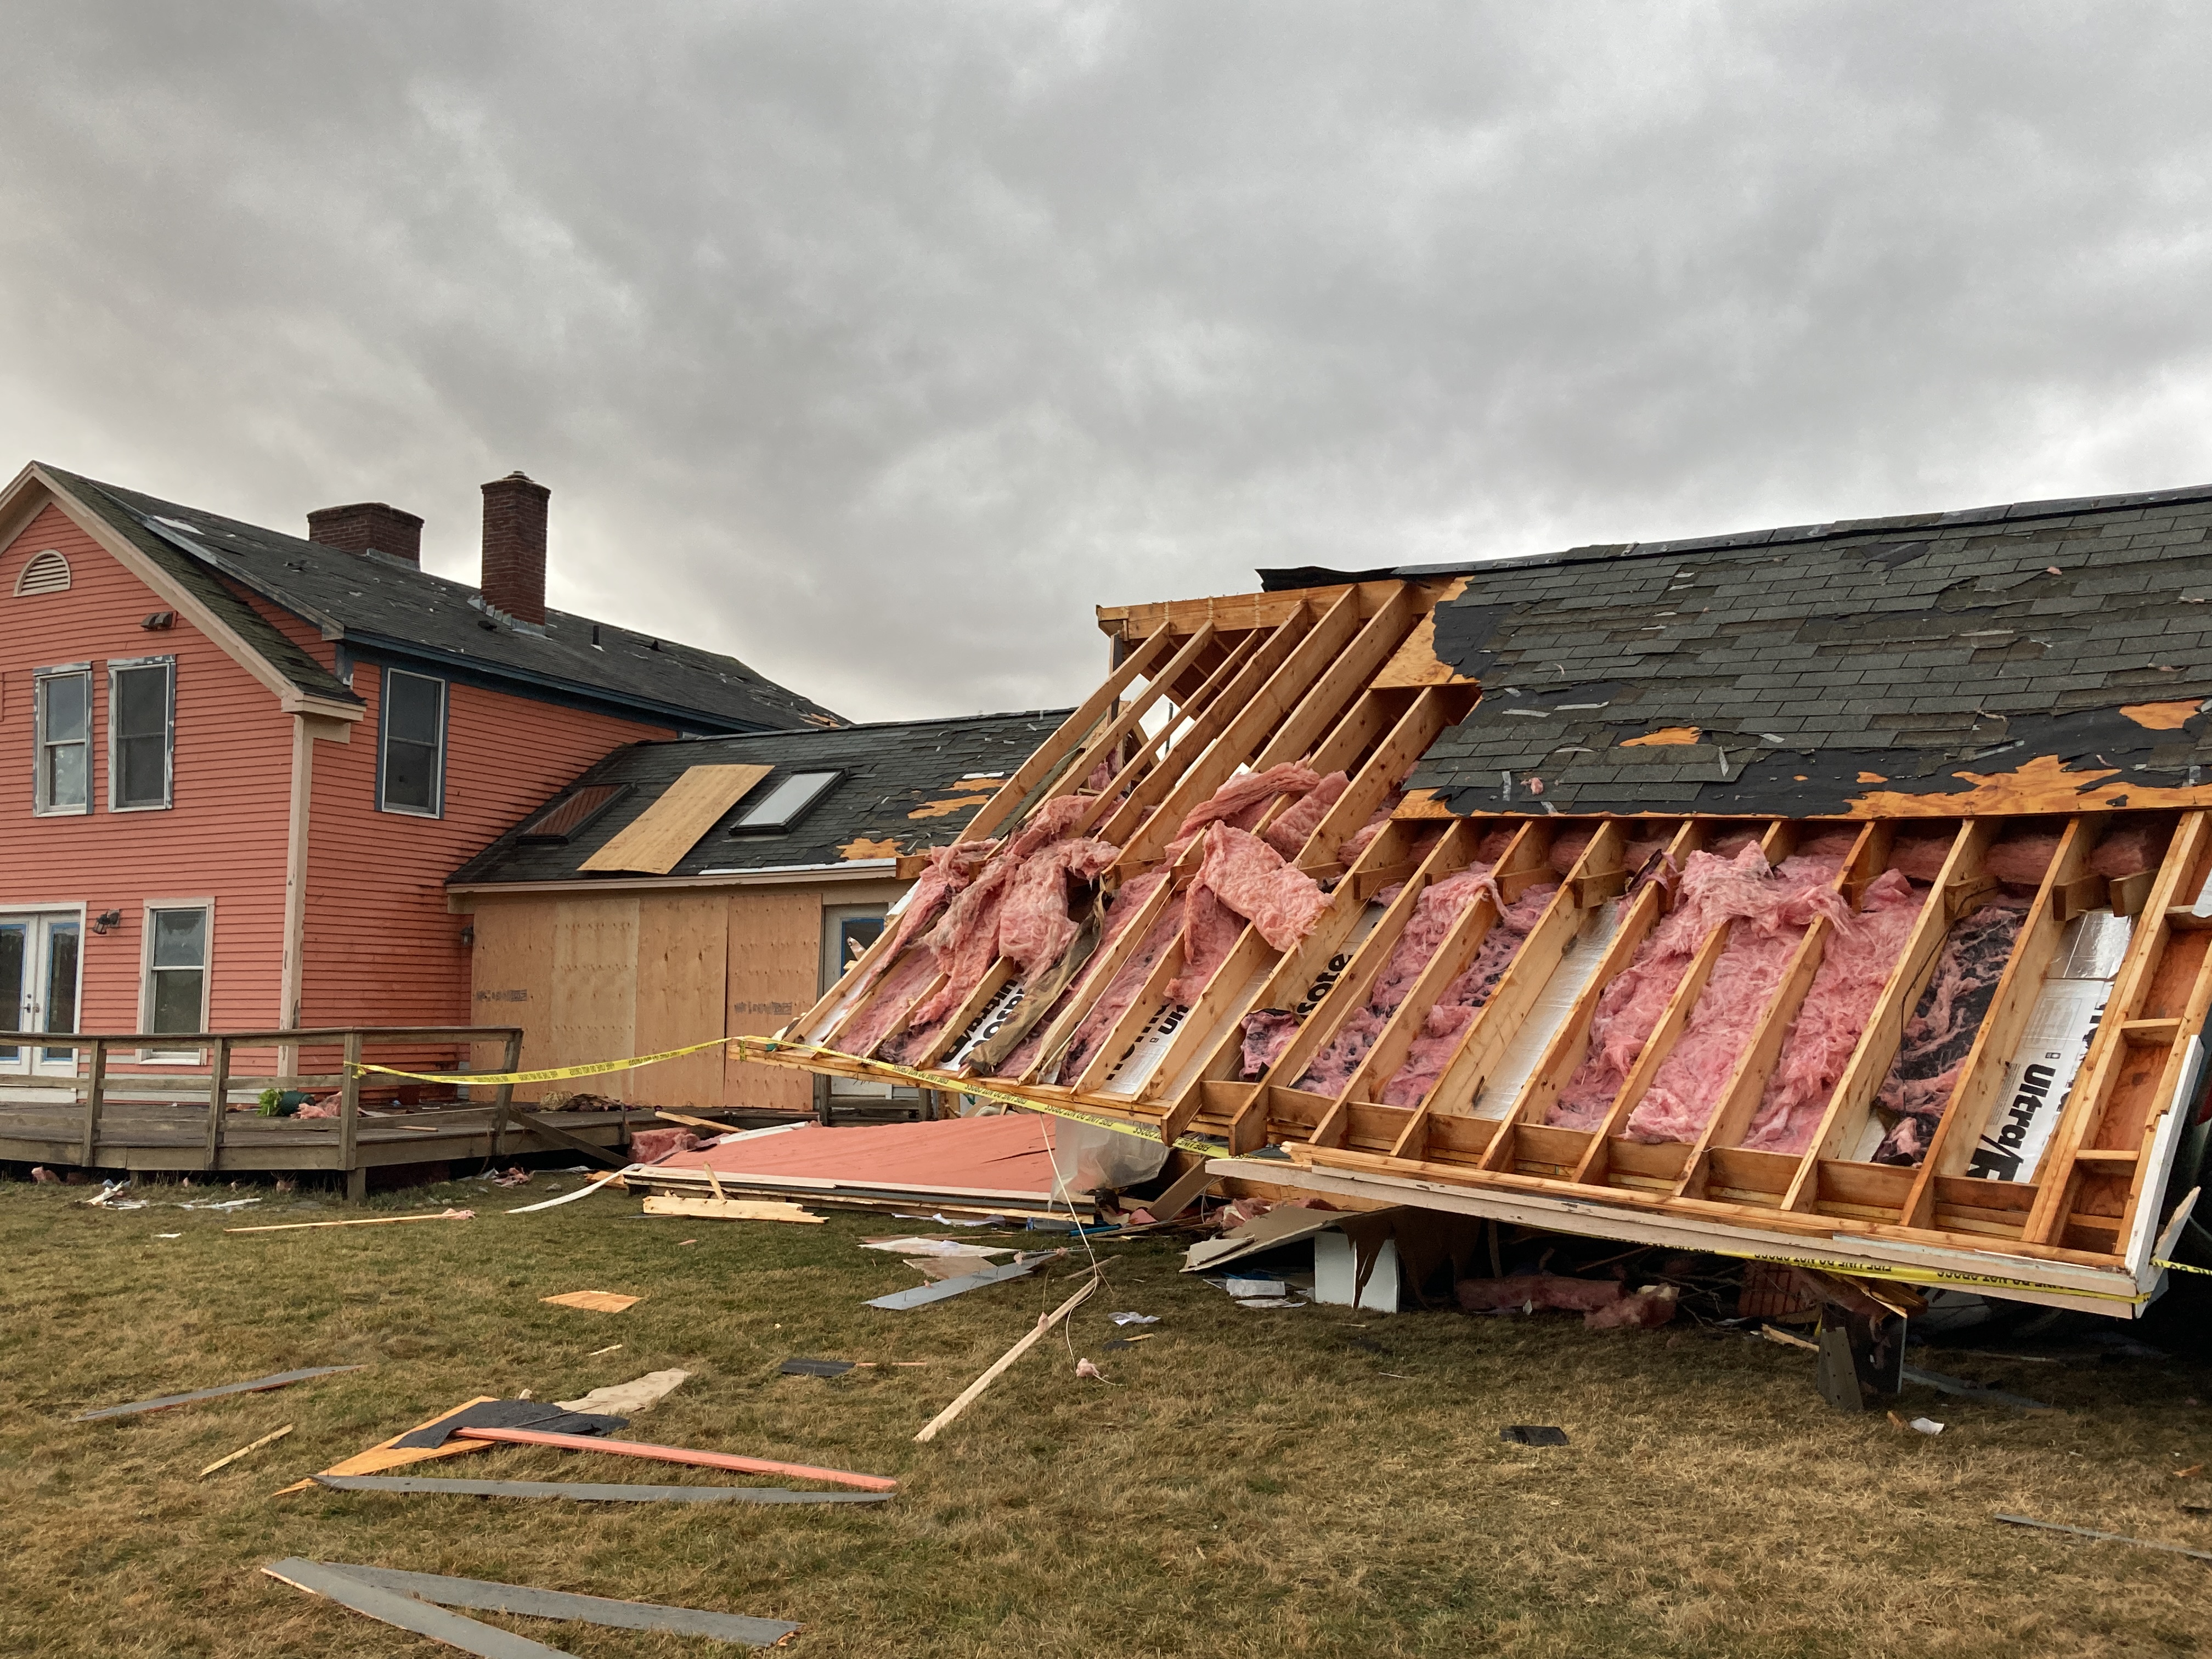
907, 785
374, 601
1908, 649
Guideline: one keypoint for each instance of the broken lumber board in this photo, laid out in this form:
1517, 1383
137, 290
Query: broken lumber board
405, 1611
584, 1492
584, 1191
482, 1596
363, 1221
268, 1439
2108, 1537
391, 1454
728, 1209
258, 1385
921, 1295
704, 1460
1045, 1323
562, 1138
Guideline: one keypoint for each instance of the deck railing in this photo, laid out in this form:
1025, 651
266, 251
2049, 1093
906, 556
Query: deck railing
216, 1080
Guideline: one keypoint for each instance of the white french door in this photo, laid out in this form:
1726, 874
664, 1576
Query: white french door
41, 969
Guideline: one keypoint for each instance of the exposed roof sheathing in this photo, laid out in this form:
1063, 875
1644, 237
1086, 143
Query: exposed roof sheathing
1822, 666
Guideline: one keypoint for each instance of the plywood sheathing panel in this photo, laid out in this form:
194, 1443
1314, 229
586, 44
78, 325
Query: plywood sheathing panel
655, 841
775, 971
682, 953
593, 985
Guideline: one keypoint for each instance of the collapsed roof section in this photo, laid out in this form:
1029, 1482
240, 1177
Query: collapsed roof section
1998, 659
1953, 1045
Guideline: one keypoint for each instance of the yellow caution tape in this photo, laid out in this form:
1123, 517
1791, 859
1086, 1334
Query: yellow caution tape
767, 1047
2180, 1267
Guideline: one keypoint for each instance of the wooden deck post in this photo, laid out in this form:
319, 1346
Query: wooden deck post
218, 1087
95, 1088
349, 1120
503, 1095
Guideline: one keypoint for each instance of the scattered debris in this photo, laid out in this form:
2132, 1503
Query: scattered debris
705, 1460
594, 1301
109, 1197
727, 1209
1604, 1303
269, 1439
599, 1353
815, 1367
2108, 1537
416, 1602
211, 1204
956, 1246
998, 1273
258, 1385
1085, 1370
391, 1454
584, 1191
1249, 1289
1922, 1424
1134, 1318
629, 1397
168, 1235
42, 1176
364, 1221
2189, 1473
1130, 1341
1045, 1323
1270, 1302
1528, 1434
583, 1491
516, 1176
504, 1414
1965, 1390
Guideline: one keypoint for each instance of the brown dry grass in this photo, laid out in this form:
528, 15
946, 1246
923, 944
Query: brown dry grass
1255, 1484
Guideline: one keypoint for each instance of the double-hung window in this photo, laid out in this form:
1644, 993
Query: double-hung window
176, 990
62, 712
411, 765
141, 733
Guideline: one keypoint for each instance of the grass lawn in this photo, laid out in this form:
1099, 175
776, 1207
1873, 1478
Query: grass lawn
1313, 1481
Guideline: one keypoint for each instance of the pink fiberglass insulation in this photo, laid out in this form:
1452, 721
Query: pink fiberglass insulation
2020, 860
1267, 1032
1943, 1027
965, 941
1121, 910
1728, 843
1292, 826
1210, 931
1240, 801
1491, 847
1855, 965
949, 870
2124, 852
1347, 853
1711, 892
1243, 879
1687, 1087
1455, 1010
899, 988
1568, 846
1920, 857
1034, 929
1121, 990
1435, 911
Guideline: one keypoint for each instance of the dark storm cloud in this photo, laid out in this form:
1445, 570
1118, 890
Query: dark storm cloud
876, 344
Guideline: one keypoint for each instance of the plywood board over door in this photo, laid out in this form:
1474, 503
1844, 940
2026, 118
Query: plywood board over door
682, 958
775, 957
511, 968
594, 991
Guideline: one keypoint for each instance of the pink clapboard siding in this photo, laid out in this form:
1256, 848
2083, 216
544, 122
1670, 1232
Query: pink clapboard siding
223, 839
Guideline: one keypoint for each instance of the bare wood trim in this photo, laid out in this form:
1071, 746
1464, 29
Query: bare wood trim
218, 1104
95, 1088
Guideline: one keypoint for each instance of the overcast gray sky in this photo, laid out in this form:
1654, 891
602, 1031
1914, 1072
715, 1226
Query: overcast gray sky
878, 344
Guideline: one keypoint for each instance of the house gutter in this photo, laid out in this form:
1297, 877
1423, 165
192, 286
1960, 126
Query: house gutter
780, 875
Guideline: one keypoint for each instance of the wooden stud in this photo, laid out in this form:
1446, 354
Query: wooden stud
95, 1089
349, 1107
218, 1105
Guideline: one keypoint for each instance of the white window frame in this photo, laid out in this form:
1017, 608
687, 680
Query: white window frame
41, 806
385, 675
146, 912
122, 664
33, 1057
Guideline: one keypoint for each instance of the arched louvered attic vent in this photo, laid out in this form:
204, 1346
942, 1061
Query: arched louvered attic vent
47, 573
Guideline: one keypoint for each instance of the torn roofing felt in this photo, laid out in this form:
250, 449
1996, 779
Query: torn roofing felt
901, 786
377, 602
1791, 670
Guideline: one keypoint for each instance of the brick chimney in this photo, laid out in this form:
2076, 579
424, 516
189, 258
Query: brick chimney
368, 526
515, 547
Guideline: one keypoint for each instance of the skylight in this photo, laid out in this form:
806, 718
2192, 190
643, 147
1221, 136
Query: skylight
786, 804
571, 812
